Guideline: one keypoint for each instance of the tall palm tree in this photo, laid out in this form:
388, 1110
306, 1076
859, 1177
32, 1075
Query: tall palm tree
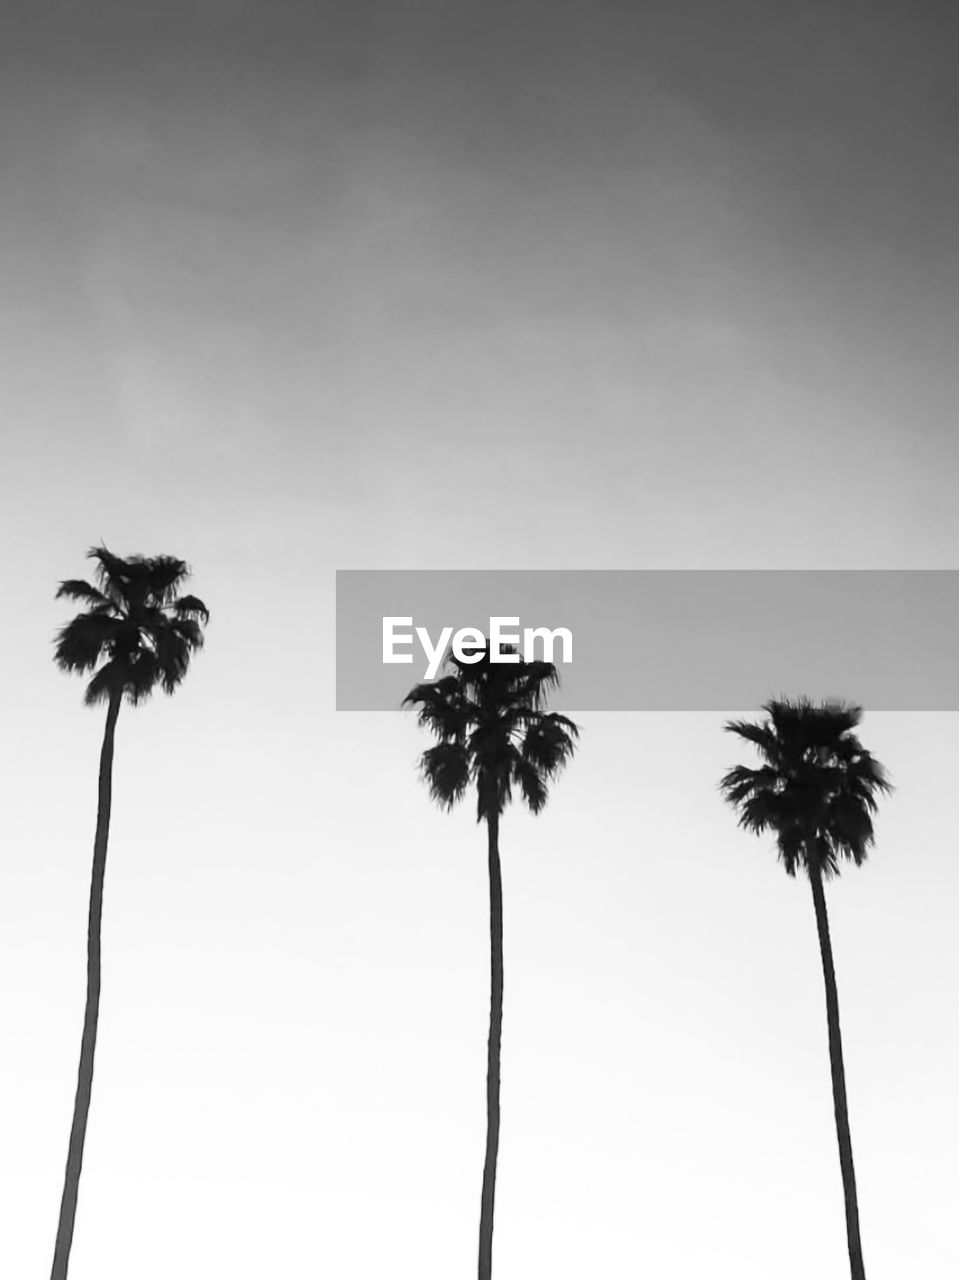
494, 733
136, 633
817, 791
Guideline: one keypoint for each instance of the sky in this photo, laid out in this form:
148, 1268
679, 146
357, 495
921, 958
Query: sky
296, 288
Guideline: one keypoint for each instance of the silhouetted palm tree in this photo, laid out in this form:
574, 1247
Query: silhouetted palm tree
136, 633
816, 789
493, 733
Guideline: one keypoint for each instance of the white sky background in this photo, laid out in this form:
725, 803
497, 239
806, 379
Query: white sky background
439, 286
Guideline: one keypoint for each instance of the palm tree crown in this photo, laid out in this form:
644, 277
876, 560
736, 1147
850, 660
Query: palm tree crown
137, 632
493, 732
817, 785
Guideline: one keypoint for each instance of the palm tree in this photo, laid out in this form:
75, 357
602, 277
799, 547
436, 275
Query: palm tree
135, 633
493, 732
816, 790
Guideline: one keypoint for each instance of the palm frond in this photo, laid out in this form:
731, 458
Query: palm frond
112, 575
77, 589
127, 637
741, 782
80, 643
494, 786
791, 847
539, 679
189, 631
165, 574
172, 657
531, 783
868, 777
141, 675
191, 607
761, 811
488, 715
442, 707
817, 789
103, 683
547, 745
761, 735
446, 769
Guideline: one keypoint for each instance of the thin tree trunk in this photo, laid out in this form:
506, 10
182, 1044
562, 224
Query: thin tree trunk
493, 1056
856, 1267
81, 1106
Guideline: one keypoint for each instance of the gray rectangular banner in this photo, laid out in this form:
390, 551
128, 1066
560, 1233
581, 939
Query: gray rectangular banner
665, 640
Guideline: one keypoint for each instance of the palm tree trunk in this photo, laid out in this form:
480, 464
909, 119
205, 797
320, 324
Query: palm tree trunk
856, 1268
81, 1106
493, 1055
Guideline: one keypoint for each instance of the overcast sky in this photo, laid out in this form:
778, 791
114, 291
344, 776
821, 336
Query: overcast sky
296, 287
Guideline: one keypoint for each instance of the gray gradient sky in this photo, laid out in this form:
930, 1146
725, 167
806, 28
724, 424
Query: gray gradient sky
293, 288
